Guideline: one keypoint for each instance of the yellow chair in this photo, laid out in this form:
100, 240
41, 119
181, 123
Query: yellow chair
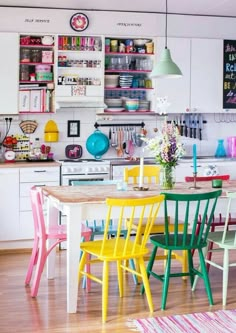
151, 174
120, 249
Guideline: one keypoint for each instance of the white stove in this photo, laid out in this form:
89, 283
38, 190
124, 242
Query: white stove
84, 169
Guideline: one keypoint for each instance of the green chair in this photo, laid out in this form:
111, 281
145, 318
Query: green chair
184, 207
224, 240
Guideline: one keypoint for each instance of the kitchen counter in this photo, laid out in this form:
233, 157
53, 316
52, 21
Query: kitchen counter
25, 164
118, 161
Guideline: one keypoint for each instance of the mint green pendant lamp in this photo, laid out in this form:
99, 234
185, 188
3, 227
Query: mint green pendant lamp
166, 68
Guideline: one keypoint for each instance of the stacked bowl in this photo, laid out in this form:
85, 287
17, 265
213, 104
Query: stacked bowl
111, 81
131, 105
144, 105
126, 80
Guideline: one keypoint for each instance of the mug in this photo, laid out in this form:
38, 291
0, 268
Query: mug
217, 183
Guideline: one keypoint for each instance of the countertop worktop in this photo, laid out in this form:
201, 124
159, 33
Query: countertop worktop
185, 159
25, 164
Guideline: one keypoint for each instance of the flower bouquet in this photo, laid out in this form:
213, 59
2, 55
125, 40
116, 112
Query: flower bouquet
167, 148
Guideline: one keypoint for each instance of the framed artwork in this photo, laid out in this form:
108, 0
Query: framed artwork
73, 128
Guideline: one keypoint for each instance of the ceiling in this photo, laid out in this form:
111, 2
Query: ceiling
192, 7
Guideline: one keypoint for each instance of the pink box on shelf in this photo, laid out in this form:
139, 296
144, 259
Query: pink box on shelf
47, 56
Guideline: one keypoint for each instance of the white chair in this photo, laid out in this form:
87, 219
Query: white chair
225, 241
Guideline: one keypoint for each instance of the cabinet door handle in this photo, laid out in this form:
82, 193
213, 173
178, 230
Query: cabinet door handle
40, 170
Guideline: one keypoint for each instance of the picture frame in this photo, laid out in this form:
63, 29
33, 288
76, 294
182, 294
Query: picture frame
73, 128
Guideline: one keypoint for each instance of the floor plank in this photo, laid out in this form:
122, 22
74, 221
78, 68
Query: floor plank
22, 314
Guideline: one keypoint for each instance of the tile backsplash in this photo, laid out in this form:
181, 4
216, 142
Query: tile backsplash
217, 127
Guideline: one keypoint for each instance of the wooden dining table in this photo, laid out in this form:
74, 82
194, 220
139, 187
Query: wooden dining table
80, 203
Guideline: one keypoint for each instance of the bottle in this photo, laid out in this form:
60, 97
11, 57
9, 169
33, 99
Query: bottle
37, 147
220, 151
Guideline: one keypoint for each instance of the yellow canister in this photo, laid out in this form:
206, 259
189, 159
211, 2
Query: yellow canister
51, 136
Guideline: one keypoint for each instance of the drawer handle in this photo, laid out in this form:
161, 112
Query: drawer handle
40, 171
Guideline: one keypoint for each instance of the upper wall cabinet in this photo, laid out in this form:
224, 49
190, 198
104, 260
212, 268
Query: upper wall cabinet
9, 73
128, 87
177, 90
207, 75
80, 67
36, 74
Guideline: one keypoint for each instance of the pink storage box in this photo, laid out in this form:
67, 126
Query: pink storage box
47, 56
42, 69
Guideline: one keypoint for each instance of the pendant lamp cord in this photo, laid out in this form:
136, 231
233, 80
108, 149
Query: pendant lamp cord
166, 27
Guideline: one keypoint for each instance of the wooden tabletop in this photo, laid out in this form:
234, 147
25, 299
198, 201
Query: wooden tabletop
98, 193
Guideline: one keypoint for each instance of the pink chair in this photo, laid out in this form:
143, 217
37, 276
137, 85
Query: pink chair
41, 235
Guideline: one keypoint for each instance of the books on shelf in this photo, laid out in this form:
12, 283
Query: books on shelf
34, 99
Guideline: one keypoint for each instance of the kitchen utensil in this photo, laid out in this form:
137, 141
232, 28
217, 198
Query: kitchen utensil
186, 124
97, 144
181, 124
119, 144
200, 126
73, 151
195, 125
191, 120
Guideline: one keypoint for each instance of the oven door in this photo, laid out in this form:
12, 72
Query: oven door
67, 179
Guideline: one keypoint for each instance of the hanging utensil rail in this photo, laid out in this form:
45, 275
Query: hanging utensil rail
142, 124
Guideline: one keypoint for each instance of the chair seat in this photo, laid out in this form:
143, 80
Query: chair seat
216, 237
159, 241
94, 248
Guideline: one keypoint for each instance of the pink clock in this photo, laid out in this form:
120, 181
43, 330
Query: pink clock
79, 22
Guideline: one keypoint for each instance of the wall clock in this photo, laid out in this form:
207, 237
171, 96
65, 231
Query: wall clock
79, 22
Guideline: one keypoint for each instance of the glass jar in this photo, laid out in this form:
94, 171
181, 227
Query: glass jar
24, 73
36, 55
167, 177
25, 55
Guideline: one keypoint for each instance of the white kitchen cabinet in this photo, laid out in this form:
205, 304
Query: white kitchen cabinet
176, 90
9, 58
207, 75
36, 74
9, 204
224, 167
200, 90
128, 66
16, 220
80, 67
29, 177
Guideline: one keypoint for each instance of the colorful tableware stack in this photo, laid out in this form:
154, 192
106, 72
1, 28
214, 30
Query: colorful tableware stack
125, 80
131, 104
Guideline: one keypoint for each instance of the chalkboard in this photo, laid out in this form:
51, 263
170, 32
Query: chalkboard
229, 72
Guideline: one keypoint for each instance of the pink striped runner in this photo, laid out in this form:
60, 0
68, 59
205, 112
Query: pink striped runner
221, 321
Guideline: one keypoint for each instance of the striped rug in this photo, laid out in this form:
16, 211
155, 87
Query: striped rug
221, 321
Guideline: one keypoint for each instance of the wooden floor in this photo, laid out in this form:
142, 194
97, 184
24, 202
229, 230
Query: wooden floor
22, 314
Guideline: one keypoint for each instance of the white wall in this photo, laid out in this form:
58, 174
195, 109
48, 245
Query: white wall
28, 20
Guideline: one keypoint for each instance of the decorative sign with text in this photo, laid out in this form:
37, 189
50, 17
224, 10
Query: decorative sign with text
229, 75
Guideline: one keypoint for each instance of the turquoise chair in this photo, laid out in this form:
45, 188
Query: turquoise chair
184, 207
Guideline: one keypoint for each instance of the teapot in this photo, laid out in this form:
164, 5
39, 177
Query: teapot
47, 40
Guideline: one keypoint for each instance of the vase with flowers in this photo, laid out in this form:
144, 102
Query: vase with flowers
167, 148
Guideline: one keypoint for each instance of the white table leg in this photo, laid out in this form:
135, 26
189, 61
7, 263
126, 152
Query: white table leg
74, 213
